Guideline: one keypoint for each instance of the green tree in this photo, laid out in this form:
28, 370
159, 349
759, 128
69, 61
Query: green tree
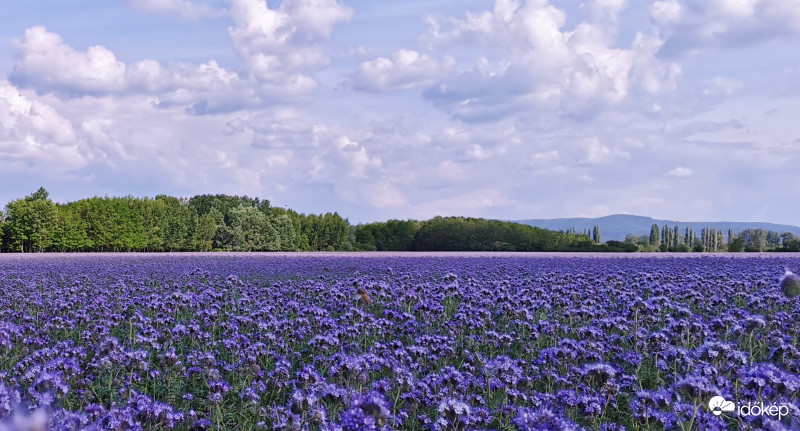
676, 238
786, 238
754, 239
792, 245
2, 231
70, 232
16, 228
393, 235
155, 218
469, 234
179, 225
42, 224
698, 246
324, 232
773, 239
655, 240
252, 231
364, 237
597, 235
666, 238
128, 222
284, 231
206, 229
223, 237
736, 246
31, 222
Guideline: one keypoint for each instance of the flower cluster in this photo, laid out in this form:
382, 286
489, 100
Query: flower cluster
448, 343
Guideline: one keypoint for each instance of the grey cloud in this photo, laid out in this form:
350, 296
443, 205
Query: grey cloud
692, 24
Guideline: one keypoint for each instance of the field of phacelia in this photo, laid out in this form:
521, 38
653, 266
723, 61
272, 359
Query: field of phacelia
243, 342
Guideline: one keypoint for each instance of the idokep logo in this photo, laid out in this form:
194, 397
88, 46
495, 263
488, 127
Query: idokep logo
719, 405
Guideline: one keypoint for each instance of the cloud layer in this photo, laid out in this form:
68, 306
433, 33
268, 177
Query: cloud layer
525, 109
688, 25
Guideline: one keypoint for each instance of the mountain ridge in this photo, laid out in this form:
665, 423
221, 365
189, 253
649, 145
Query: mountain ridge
616, 226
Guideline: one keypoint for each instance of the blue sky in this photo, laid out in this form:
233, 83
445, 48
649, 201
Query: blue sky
676, 109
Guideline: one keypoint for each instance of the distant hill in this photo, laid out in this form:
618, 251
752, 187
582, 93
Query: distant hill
615, 227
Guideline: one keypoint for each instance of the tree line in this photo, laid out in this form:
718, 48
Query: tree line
165, 223
471, 234
239, 223
674, 239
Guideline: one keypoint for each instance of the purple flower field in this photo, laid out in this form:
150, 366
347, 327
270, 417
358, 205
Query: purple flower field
445, 342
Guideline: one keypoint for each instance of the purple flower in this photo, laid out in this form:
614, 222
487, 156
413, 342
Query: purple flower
368, 412
542, 420
302, 401
453, 415
47, 387
698, 389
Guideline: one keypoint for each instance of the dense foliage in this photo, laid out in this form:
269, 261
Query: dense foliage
470, 343
673, 238
240, 223
165, 223
468, 234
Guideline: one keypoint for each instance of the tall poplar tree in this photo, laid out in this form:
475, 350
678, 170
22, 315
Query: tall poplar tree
597, 235
676, 237
654, 237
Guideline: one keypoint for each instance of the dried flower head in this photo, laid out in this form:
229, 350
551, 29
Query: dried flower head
790, 284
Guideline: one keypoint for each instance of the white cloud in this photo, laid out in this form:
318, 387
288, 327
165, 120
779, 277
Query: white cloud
281, 42
105, 145
595, 152
649, 73
404, 70
687, 25
274, 129
469, 203
279, 159
385, 195
183, 9
680, 171
542, 64
537, 113
36, 135
547, 163
575, 158
666, 12
48, 64
544, 159
357, 157
343, 158
479, 152
604, 11
450, 169
721, 86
